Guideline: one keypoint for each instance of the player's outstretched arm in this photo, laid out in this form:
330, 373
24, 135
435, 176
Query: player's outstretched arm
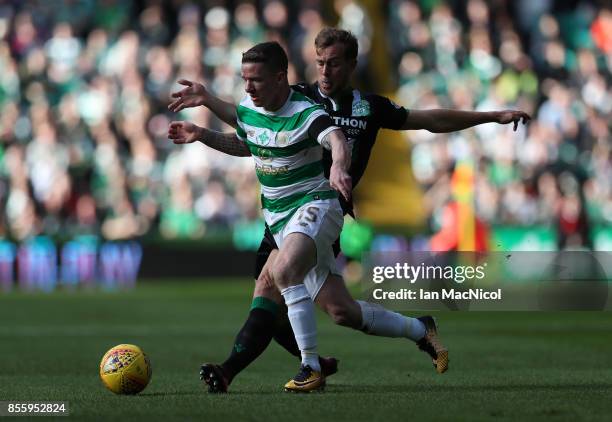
339, 179
195, 94
186, 132
444, 120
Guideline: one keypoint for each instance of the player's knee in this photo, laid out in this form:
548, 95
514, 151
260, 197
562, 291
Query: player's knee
282, 274
286, 271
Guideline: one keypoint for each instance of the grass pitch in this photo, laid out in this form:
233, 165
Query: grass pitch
504, 366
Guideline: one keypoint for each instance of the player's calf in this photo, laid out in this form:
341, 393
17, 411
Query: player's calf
336, 301
345, 316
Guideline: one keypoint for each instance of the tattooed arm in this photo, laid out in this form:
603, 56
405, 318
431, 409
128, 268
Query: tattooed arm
186, 132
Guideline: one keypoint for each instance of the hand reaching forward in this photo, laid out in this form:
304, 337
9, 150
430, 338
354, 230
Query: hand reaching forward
507, 116
340, 181
192, 96
183, 132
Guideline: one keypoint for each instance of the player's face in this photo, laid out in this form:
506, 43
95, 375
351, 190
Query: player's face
262, 85
333, 69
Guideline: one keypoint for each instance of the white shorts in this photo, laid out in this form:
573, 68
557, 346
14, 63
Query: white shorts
322, 221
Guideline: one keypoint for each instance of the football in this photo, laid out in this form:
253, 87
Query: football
125, 369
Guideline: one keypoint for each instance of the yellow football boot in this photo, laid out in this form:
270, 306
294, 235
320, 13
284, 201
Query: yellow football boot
306, 381
431, 345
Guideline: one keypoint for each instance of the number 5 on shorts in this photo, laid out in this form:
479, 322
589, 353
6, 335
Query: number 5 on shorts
308, 215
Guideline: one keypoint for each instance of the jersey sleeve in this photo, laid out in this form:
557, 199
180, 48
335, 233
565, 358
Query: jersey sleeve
240, 133
389, 114
240, 130
320, 127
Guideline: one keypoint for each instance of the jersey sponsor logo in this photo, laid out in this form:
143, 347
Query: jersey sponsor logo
269, 170
361, 108
264, 154
346, 121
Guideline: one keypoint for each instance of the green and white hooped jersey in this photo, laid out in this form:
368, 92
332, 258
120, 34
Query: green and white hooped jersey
288, 155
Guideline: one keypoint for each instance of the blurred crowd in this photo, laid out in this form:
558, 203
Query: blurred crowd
552, 59
85, 84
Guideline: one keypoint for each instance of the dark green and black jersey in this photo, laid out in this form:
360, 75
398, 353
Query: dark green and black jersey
360, 116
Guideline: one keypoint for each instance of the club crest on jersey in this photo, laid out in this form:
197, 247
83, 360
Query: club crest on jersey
282, 139
263, 138
361, 108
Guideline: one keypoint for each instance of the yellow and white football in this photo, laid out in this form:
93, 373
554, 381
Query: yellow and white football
125, 369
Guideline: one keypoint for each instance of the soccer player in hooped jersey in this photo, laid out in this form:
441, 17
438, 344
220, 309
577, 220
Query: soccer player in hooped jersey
360, 116
283, 130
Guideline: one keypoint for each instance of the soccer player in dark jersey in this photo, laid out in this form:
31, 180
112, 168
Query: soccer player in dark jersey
361, 116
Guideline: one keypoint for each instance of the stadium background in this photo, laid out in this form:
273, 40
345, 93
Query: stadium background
92, 192
85, 160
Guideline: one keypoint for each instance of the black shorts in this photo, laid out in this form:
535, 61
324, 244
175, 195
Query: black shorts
268, 244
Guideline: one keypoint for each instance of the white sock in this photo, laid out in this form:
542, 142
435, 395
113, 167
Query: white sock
301, 313
379, 321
